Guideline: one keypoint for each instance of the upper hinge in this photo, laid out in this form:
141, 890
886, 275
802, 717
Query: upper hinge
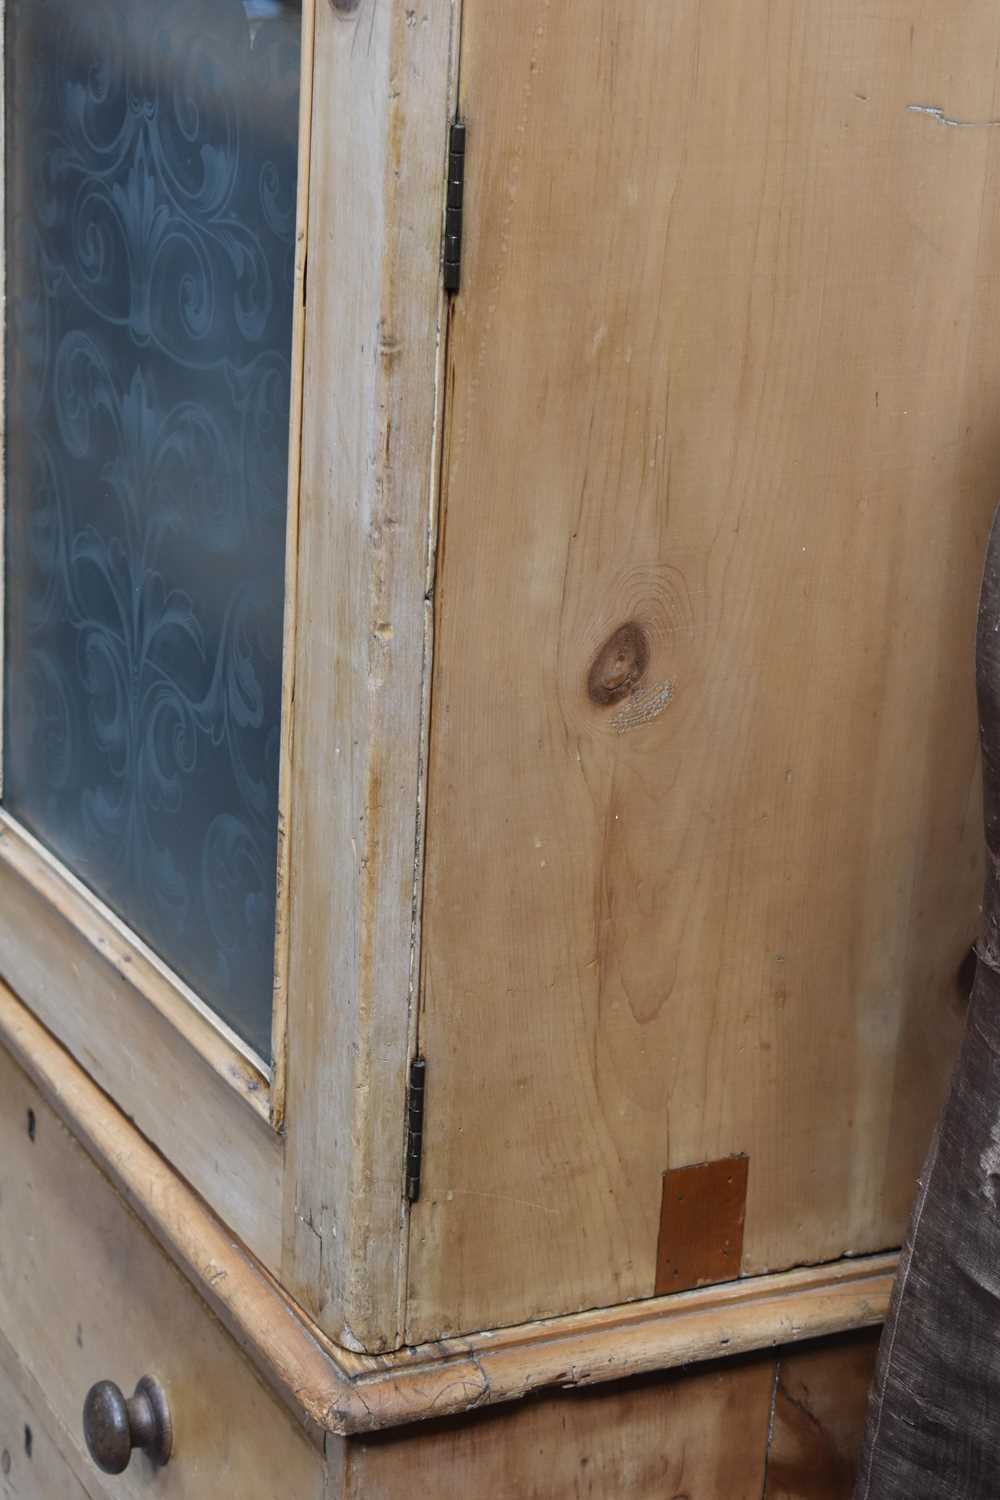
415, 1128
453, 207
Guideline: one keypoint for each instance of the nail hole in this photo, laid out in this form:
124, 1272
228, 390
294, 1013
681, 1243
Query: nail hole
31, 1124
29, 1440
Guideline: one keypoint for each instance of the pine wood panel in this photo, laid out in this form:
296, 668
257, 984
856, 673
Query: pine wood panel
700, 1437
82, 973
331, 1390
782, 1426
722, 445
32, 1466
820, 1404
86, 1294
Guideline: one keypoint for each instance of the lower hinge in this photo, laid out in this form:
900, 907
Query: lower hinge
453, 208
415, 1127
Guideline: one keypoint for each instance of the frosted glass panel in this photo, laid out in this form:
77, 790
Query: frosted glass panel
151, 177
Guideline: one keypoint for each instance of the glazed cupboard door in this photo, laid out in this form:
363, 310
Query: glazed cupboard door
190, 501
702, 858
151, 196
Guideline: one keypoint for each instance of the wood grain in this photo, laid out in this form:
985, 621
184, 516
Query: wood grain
701, 1437
322, 1207
701, 1224
105, 996
329, 1389
279, 1017
820, 1404
86, 1294
370, 402
32, 1465
722, 446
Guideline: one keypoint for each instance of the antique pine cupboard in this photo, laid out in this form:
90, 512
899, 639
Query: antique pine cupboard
489, 844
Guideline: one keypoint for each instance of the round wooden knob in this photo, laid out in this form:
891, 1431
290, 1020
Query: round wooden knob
114, 1425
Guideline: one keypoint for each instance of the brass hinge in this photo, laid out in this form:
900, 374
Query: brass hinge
415, 1128
453, 207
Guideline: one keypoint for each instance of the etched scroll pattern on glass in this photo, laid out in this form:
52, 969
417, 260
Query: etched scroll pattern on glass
151, 171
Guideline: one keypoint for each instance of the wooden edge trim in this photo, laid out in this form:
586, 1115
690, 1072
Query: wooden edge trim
344, 1393
662, 1333
279, 1017
238, 1290
94, 923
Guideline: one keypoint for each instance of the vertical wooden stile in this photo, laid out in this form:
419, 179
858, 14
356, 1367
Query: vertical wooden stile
279, 1026
371, 390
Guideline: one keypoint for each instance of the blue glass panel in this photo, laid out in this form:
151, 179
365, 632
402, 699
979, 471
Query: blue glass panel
151, 177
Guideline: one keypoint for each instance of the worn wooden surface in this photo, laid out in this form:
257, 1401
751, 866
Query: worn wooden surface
329, 1389
820, 1402
322, 1207
700, 1436
279, 1016
736, 1431
84, 1291
32, 1464
86, 1294
83, 974
379, 138
722, 445
785, 1427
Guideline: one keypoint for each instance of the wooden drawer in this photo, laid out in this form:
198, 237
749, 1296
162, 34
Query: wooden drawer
85, 1294
32, 1467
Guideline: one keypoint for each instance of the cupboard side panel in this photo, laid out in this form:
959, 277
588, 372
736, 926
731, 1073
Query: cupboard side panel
721, 451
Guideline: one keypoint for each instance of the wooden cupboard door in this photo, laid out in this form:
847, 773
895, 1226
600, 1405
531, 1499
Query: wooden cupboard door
720, 456
214, 698
152, 363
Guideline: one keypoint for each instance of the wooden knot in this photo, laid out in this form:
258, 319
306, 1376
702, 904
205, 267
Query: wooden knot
619, 665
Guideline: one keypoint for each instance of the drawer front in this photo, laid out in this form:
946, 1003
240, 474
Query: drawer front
32, 1466
87, 1294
